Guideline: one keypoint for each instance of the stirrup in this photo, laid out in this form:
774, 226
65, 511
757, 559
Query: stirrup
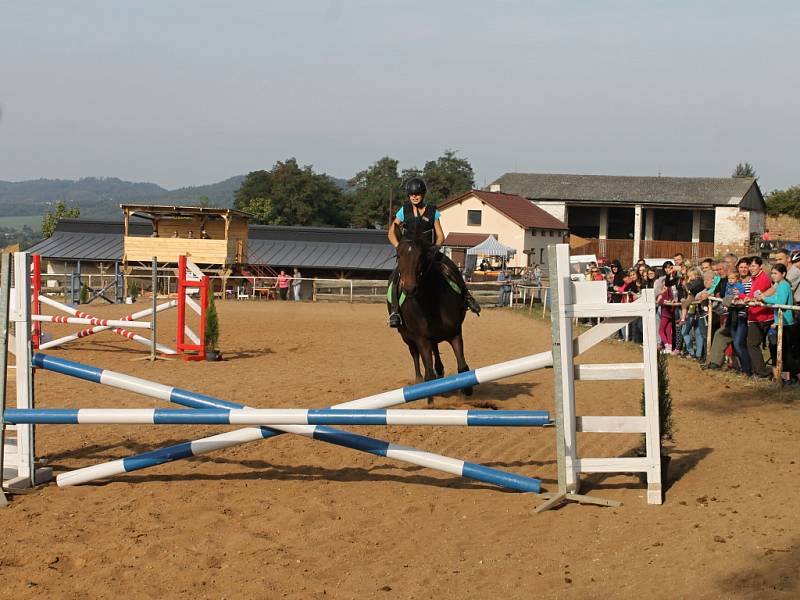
395, 320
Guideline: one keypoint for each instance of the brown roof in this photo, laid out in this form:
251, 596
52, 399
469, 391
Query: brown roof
520, 210
466, 240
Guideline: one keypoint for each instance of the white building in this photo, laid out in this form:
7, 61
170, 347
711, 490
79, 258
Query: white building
471, 217
632, 217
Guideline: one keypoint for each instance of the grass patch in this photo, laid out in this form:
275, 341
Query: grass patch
32, 221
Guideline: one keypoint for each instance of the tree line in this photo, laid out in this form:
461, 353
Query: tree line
290, 194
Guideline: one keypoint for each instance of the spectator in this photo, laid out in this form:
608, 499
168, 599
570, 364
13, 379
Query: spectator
784, 257
204, 234
693, 285
651, 278
703, 314
678, 260
758, 319
706, 264
297, 284
641, 276
738, 319
782, 294
505, 289
731, 260
794, 272
484, 265
537, 275
724, 336
665, 300
175, 233
282, 284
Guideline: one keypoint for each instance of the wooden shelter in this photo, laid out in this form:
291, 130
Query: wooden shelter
209, 236
214, 238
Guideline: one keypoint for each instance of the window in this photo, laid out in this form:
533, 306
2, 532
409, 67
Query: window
473, 217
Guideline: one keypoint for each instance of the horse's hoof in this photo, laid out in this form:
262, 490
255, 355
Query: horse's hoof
467, 391
430, 401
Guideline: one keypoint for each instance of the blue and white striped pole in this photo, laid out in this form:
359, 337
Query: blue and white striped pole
317, 432
269, 417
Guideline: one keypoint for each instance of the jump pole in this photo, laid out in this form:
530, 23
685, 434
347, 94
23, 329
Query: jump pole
394, 397
269, 417
108, 323
92, 330
119, 330
233, 438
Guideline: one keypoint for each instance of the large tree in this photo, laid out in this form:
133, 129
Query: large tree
374, 189
447, 176
784, 202
292, 195
51, 219
744, 170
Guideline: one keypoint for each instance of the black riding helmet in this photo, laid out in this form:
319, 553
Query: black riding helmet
415, 187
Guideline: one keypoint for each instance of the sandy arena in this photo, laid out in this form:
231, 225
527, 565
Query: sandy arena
294, 518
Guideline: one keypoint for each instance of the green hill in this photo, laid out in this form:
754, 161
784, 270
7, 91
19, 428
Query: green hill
100, 197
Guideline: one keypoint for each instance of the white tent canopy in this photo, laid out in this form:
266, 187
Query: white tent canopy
491, 247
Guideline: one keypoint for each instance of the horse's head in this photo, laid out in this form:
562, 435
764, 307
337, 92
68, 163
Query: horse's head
411, 253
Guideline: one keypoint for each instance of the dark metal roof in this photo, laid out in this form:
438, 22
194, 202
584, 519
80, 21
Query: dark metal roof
687, 191
154, 210
303, 247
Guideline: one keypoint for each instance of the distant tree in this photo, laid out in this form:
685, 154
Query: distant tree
786, 202
51, 219
373, 188
744, 170
203, 202
291, 195
447, 176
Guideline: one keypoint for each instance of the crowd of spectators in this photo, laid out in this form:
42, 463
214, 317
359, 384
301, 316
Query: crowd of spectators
739, 296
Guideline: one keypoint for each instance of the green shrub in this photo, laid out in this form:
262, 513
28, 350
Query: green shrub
134, 289
212, 324
666, 422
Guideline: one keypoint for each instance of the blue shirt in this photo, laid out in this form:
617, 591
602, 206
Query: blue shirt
782, 295
401, 215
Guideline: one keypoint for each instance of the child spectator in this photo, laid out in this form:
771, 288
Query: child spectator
782, 294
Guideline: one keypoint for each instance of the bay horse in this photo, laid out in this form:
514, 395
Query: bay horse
431, 308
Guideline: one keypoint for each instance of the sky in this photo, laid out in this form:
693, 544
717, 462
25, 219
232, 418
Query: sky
193, 92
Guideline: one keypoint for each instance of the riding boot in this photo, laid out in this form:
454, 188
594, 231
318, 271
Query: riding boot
452, 270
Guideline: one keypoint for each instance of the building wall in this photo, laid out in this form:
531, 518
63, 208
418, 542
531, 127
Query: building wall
557, 209
783, 227
536, 243
454, 218
731, 229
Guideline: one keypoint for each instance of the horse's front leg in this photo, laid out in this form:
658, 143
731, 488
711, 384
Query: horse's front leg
412, 348
457, 343
438, 366
426, 353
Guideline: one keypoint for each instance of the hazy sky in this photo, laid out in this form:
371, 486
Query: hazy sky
182, 93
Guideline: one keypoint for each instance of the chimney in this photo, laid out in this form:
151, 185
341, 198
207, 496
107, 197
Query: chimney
495, 187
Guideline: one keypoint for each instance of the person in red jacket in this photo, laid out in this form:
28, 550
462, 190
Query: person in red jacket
759, 319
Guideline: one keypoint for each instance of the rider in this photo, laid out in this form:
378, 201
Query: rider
417, 215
